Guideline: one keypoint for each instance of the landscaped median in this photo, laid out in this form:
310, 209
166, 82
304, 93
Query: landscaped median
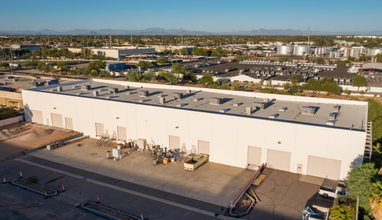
42, 190
107, 212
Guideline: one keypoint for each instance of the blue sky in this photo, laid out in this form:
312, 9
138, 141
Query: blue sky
207, 15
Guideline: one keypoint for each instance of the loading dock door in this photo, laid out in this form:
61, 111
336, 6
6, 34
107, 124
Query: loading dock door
279, 160
36, 116
324, 167
69, 123
99, 129
57, 120
254, 156
122, 134
204, 147
174, 142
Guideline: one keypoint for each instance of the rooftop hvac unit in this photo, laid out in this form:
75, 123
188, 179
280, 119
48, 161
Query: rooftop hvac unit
188, 92
95, 93
79, 93
39, 83
283, 109
113, 90
127, 88
109, 97
85, 87
261, 105
177, 95
59, 89
9, 77
215, 101
75, 87
237, 104
248, 110
197, 99
308, 110
266, 100
143, 93
332, 116
129, 93
53, 90
143, 100
161, 95
330, 122
162, 100
336, 108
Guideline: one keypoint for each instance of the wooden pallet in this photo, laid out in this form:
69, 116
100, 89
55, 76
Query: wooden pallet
259, 179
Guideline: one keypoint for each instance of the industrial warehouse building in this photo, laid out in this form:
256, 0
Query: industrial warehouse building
313, 136
116, 52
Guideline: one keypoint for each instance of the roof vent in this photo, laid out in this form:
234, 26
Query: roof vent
188, 91
143, 93
197, 99
177, 95
79, 93
224, 110
103, 89
59, 88
274, 116
113, 90
144, 100
181, 105
76, 87
237, 104
85, 87
283, 109
215, 101
95, 93
248, 110
308, 110
109, 97
332, 116
130, 93
53, 90
336, 108
261, 105
266, 100
161, 95
330, 122
162, 100
127, 88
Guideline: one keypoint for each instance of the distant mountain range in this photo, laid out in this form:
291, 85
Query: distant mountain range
159, 31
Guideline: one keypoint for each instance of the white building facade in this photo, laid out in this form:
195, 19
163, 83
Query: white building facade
234, 140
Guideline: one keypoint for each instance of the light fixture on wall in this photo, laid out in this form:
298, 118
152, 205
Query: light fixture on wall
117, 118
176, 127
279, 142
54, 107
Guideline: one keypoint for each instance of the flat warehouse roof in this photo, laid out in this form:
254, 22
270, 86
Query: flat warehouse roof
350, 115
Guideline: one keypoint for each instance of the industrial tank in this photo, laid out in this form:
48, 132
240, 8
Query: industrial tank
284, 49
374, 51
300, 50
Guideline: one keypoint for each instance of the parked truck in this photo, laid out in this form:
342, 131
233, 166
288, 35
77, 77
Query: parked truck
332, 189
192, 161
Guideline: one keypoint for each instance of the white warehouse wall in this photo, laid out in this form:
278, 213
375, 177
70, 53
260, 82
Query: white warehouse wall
229, 135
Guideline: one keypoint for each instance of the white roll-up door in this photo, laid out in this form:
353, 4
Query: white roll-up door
174, 142
254, 155
204, 147
36, 116
69, 123
57, 120
99, 129
279, 160
122, 135
324, 167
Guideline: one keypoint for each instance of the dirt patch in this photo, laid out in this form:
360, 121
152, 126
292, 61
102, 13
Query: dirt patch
33, 186
29, 139
109, 211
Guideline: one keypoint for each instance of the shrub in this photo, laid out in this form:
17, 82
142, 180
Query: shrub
8, 112
33, 75
32, 179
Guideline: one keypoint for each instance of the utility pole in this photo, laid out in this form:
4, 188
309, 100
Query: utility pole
309, 37
182, 35
110, 39
356, 212
233, 37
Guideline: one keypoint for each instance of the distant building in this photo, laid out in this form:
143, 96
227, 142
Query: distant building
116, 52
30, 47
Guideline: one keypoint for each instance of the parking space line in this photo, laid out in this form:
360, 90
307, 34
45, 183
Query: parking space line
124, 190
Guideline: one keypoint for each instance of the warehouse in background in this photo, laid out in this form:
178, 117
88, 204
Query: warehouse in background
312, 136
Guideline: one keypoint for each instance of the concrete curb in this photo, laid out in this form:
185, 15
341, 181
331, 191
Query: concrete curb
124, 190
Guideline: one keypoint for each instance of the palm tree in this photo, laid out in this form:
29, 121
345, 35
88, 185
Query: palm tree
376, 193
342, 213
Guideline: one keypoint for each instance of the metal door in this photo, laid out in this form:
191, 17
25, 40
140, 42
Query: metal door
36, 116
122, 136
99, 129
57, 120
279, 160
174, 142
254, 156
204, 147
69, 123
324, 167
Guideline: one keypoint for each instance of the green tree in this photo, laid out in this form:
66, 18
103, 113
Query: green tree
4, 65
162, 60
359, 81
206, 79
143, 64
258, 48
177, 68
375, 109
320, 60
73, 73
189, 77
351, 58
283, 59
341, 212
360, 180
